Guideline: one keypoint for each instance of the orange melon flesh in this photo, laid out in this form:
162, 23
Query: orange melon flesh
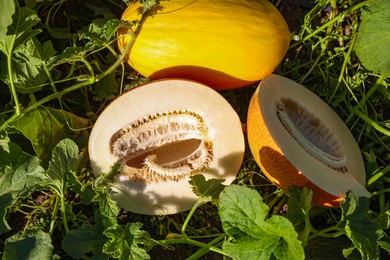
167, 107
284, 161
221, 43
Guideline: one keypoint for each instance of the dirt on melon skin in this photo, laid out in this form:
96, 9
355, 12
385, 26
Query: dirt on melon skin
221, 43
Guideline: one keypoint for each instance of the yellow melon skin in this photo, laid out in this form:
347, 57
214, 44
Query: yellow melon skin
221, 43
274, 164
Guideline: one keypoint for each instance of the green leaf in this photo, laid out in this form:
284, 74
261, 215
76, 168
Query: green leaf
86, 239
85, 191
45, 127
6, 201
299, 205
201, 187
44, 51
69, 55
373, 42
64, 159
21, 29
385, 243
253, 235
17, 182
6, 11
127, 242
28, 72
31, 244
106, 88
9, 152
363, 232
107, 206
63, 162
100, 36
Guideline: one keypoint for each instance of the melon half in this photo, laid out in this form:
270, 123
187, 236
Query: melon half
161, 134
298, 140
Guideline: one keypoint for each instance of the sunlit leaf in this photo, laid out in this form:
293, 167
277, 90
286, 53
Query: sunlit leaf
201, 187
373, 42
6, 11
45, 127
19, 181
69, 55
127, 242
363, 232
100, 36
254, 235
31, 244
63, 162
21, 29
28, 72
107, 206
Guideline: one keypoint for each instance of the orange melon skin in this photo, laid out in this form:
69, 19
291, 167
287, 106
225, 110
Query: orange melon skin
274, 164
222, 43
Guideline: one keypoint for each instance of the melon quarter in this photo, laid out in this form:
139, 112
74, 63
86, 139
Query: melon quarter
162, 133
298, 140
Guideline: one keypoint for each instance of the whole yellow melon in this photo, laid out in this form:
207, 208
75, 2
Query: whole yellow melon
221, 43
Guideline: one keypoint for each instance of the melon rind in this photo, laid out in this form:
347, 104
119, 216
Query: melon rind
221, 43
270, 91
168, 197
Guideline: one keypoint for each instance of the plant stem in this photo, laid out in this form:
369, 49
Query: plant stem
382, 191
371, 122
194, 243
325, 232
330, 22
378, 175
52, 84
63, 213
127, 49
44, 100
54, 214
12, 84
57, 95
343, 68
311, 69
200, 202
205, 250
90, 69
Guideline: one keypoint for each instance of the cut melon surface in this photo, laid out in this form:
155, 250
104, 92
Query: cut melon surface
299, 140
162, 133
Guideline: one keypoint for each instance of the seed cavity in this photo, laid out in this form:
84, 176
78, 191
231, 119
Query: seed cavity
163, 146
311, 134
